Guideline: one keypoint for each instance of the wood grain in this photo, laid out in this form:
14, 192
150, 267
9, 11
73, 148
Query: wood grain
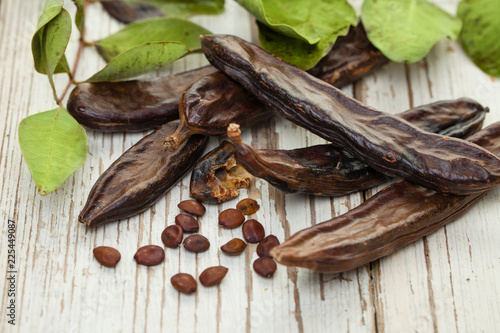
446, 282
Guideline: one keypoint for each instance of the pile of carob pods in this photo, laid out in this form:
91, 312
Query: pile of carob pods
446, 162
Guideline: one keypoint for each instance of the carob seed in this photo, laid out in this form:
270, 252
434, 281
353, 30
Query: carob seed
172, 236
265, 266
187, 223
192, 207
149, 255
234, 247
107, 256
231, 218
248, 206
212, 275
266, 245
184, 283
196, 243
253, 231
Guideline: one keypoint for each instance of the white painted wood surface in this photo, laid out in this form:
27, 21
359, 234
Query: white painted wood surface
447, 282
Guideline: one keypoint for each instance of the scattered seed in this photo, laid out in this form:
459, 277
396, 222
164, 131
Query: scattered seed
184, 283
265, 266
192, 207
149, 255
253, 231
213, 275
231, 218
196, 243
234, 247
172, 236
266, 245
187, 223
107, 256
248, 206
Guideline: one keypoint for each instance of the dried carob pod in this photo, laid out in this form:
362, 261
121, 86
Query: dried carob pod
138, 178
210, 104
131, 105
351, 58
127, 12
328, 170
216, 177
394, 217
381, 140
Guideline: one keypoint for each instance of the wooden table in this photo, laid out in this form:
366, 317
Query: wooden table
447, 282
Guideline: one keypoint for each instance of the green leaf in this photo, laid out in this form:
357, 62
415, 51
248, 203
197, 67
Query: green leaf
406, 30
152, 30
480, 33
80, 15
139, 60
55, 18
49, 45
301, 32
54, 145
293, 51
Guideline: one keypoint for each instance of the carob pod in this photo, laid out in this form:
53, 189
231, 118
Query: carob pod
216, 177
210, 104
383, 141
352, 57
138, 178
328, 170
131, 105
126, 12
393, 218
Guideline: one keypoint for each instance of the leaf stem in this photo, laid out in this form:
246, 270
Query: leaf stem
81, 45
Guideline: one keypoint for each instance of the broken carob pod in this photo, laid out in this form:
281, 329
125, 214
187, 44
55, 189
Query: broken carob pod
330, 171
210, 104
381, 140
216, 177
131, 106
352, 57
138, 178
393, 218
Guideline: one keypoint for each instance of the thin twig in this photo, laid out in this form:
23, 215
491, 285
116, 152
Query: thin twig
81, 45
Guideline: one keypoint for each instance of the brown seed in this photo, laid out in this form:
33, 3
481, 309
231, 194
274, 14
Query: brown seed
265, 266
184, 282
196, 243
172, 236
213, 275
107, 256
187, 223
149, 255
266, 245
231, 218
253, 231
234, 247
248, 206
192, 207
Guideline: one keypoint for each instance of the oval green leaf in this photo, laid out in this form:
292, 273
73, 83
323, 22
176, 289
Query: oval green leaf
406, 30
309, 21
152, 30
51, 39
139, 60
80, 15
54, 145
480, 32
293, 51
